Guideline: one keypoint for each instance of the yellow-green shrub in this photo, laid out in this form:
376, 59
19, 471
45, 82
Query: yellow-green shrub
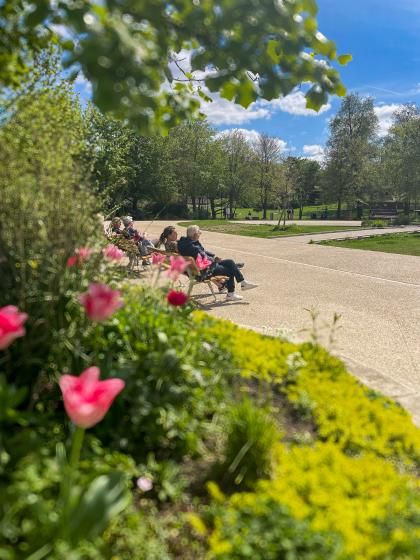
363, 499
254, 354
351, 415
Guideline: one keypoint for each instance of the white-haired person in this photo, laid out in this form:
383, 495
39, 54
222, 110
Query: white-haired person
130, 232
190, 246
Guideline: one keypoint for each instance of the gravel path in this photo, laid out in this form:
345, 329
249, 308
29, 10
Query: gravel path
377, 296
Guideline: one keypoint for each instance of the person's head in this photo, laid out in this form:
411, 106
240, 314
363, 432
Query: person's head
116, 222
127, 221
193, 232
168, 234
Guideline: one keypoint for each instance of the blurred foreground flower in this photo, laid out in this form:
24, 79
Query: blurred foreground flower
81, 255
11, 325
177, 267
100, 301
158, 259
86, 399
112, 253
176, 298
202, 262
144, 484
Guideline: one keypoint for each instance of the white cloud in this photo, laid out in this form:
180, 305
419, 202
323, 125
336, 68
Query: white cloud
385, 114
221, 111
295, 104
82, 85
252, 137
315, 152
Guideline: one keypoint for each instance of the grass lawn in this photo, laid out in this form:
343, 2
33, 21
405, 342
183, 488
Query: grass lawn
400, 243
241, 213
259, 230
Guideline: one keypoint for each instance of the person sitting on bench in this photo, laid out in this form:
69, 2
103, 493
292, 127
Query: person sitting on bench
168, 238
116, 226
190, 246
130, 232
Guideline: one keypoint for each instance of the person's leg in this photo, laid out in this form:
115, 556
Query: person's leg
221, 270
230, 265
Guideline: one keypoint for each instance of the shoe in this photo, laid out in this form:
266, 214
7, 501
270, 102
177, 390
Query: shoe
233, 297
248, 285
222, 288
240, 265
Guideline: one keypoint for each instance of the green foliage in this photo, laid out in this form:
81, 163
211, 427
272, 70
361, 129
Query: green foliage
173, 384
46, 213
257, 526
283, 45
30, 512
250, 434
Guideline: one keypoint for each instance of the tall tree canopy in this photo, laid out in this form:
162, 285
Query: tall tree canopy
242, 49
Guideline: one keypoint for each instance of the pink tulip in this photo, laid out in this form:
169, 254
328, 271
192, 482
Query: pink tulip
177, 267
202, 262
100, 301
158, 259
11, 325
86, 399
80, 256
112, 253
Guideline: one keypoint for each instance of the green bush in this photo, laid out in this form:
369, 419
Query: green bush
46, 213
250, 435
174, 380
257, 527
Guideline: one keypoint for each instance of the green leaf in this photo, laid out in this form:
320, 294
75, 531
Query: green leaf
344, 59
106, 497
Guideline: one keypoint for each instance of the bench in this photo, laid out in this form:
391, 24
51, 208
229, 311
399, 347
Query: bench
130, 249
193, 272
385, 212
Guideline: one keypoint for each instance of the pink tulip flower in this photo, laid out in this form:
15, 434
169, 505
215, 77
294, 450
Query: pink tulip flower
86, 399
80, 256
202, 262
177, 267
158, 259
11, 325
100, 301
112, 253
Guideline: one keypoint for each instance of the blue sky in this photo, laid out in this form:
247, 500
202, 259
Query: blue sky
384, 38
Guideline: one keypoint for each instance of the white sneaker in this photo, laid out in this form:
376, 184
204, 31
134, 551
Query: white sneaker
233, 297
248, 285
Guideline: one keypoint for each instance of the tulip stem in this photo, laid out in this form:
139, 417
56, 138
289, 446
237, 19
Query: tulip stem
67, 479
76, 448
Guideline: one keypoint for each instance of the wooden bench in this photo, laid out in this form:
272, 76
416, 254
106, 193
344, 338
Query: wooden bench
388, 211
193, 272
130, 248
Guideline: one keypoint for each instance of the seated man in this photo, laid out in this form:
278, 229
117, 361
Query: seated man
131, 233
190, 246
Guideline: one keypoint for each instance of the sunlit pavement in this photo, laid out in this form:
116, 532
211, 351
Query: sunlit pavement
377, 296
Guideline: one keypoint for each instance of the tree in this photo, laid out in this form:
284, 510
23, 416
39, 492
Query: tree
350, 147
402, 156
267, 151
308, 172
193, 153
238, 163
122, 48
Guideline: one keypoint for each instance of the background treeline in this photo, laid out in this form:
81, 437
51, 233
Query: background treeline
196, 171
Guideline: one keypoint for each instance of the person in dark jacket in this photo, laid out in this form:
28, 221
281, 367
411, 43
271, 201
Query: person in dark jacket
190, 246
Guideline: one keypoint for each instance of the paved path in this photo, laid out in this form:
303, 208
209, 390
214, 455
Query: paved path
376, 294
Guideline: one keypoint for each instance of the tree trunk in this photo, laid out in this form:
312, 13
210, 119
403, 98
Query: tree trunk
213, 208
194, 204
300, 211
338, 208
